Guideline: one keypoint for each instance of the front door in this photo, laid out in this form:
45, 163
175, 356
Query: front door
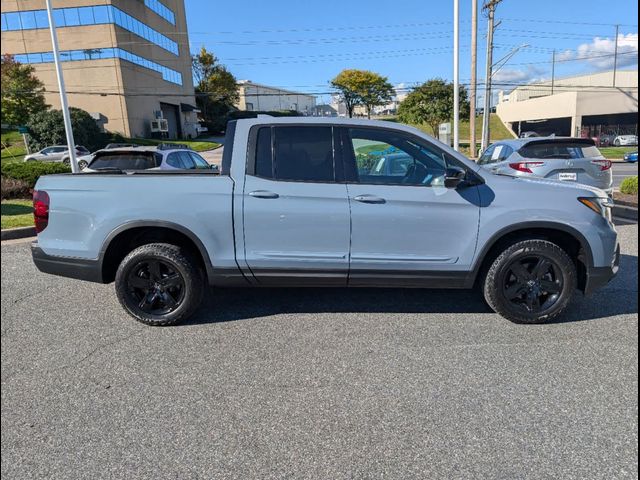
296, 214
406, 225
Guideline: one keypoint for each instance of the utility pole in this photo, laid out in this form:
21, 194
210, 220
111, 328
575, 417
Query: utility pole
490, 6
615, 55
71, 144
553, 71
456, 75
474, 74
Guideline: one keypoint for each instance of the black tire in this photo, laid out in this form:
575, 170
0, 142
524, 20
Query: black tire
66, 161
82, 164
616, 143
521, 288
159, 284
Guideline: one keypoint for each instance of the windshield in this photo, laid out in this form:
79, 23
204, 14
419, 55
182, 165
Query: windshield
126, 161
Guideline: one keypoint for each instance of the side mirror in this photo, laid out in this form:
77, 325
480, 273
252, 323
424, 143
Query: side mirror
454, 176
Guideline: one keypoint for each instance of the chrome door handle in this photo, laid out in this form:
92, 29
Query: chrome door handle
263, 194
369, 199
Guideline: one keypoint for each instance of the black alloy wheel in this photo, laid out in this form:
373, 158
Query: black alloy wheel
533, 283
156, 287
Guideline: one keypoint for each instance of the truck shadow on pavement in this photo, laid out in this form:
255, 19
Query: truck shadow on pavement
227, 305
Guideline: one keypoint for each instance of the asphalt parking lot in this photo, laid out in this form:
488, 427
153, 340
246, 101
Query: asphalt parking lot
316, 384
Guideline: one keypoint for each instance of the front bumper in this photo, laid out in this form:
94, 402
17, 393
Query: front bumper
79, 268
598, 277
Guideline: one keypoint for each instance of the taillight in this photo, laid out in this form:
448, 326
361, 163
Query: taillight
526, 166
603, 164
40, 209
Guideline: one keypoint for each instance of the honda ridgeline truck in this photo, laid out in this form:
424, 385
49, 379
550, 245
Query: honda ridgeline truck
326, 203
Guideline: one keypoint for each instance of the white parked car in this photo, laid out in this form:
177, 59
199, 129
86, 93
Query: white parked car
162, 157
54, 153
626, 141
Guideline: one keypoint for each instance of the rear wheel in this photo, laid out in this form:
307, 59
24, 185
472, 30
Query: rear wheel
159, 284
82, 164
532, 281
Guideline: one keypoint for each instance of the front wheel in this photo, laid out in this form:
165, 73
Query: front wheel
82, 164
159, 284
532, 281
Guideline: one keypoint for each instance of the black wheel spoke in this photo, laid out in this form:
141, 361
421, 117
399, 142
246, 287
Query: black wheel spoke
514, 291
154, 270
147, 300
168, 300
542, 268
173, 280
139, 282
550, 287
521, 272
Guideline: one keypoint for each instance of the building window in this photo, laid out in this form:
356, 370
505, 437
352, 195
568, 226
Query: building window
162, 10
168, 74
93, 15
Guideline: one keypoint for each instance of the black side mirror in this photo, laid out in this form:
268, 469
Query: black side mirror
454, 176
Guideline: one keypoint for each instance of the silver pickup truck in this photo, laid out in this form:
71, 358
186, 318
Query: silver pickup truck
326, 202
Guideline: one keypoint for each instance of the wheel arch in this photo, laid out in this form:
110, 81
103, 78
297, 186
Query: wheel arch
131, 235
565, 236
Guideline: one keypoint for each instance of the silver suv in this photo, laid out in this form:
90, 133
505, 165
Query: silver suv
55, 153
575, 160
162, 157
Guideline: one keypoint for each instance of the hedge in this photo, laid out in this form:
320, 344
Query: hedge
630, 186
29, 172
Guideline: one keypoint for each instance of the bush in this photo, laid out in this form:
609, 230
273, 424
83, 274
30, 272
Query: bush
630, 186
29, 172
47, 128
12, 188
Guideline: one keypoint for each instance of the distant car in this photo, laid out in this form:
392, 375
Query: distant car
631, 157
575, 160
604, 140
54, 153
626, 140
147, 158
529, 134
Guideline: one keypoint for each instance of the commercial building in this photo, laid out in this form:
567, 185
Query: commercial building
262, 98
126, 62
586, 105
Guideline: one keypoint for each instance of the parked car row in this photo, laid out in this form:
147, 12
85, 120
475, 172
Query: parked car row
127, 157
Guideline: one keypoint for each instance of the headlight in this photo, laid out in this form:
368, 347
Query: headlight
601, 206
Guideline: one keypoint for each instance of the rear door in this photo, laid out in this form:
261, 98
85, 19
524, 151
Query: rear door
406, 226
296, 210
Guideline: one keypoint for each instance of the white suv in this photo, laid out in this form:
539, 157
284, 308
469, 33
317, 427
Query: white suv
162, 157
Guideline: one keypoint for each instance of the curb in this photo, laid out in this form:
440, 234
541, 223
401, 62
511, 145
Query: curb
16, 233
628, 213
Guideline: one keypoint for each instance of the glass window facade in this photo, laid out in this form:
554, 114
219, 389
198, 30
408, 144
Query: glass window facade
162, 10
94, 15
168, 74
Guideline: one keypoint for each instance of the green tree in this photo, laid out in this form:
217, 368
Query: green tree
47, 128
362, 87
22, 92
432, 103
216, 88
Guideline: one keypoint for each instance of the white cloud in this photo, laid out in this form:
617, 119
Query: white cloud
526, 75
600, 52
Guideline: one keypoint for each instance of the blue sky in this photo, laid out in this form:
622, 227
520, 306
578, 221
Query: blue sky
303, 44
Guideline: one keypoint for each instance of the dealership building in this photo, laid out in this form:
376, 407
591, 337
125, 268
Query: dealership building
586, 105
126, 62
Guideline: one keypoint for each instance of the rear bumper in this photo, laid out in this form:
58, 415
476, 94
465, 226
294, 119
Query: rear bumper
79, 268
598, 277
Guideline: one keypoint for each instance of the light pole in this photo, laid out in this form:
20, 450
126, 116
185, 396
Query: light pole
71, 145
456, 74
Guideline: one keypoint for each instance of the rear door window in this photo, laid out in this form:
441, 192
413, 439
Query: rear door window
299, 154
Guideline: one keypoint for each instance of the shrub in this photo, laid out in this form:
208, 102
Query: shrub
29, 172
630, 185
47, 128
12, 188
